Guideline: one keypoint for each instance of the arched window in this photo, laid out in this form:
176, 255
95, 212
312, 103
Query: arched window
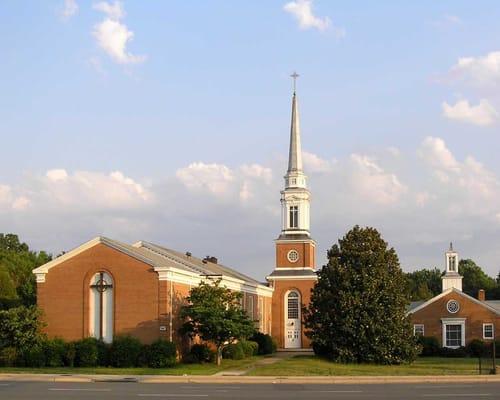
101, 307
293, 305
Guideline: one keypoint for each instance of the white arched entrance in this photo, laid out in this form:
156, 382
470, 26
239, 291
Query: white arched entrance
293, 337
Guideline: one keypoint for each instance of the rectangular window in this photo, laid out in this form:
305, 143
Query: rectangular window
261, 314
454, 335
488, 331
452, 264
250, 307
418, 329
294, 216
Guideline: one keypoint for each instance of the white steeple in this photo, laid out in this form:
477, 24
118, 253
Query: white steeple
295, 197
451, 277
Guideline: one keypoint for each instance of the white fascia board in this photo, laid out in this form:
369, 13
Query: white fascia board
295, 268
292, 278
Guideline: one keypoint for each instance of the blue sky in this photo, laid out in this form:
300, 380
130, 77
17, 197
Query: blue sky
179, 134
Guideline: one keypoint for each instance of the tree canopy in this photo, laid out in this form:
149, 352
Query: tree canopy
357, 311
17, 283
214, 314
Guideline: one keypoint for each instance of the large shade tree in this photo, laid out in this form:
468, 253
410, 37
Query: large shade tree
214, 314
358, 311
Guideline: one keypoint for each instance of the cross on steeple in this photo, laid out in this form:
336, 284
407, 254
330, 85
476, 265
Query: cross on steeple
294, 76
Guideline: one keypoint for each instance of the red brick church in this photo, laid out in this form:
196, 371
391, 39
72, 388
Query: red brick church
105, 287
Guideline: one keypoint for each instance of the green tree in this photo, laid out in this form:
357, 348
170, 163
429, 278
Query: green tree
424, 284
20, 327
357, 311
475, 278
214, 314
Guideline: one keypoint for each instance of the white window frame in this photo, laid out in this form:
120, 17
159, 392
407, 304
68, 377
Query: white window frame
492, 331
262, 325
453, 321
250, 307
293, 215
415, 329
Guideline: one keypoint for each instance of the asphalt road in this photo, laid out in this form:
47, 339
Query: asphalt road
138, 391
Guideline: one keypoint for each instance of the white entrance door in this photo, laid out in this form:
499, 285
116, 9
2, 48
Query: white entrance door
293, 338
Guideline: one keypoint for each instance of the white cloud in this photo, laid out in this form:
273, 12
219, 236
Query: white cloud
113, 36
257, 171
57, 175
302, 11
313, 163
21, 203
394, 151
375, 184
483, 114
434, 151
215, 178
69, 9
481, 71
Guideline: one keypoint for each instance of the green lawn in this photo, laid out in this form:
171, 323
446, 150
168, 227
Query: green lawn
180, 369
310, 365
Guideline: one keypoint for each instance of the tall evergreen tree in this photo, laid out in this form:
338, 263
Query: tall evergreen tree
357, 311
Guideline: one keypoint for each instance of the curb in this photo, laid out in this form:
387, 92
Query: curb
207, 379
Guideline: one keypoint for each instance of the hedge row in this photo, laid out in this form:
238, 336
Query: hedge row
475, 348
124, 352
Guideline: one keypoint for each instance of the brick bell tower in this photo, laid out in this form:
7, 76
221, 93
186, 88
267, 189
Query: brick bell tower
294, 275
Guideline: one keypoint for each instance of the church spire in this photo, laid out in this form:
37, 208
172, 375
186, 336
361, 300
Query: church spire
295, 154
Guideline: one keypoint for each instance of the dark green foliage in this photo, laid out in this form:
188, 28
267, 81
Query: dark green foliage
234, 351
250, 348
424, 284
125, 351
8, 357
357, 311
17, 283
214, 314
201, 353
477, 348
265, 343
54, 351
103, 353
161, 354
475, 279
453, 353
32, 357
69, 354
86, 352
20, 327
430, 346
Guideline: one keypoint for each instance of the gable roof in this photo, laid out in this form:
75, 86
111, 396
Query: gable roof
417, 306
163, 260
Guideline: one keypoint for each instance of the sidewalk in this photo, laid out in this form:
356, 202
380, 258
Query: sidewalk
218, 379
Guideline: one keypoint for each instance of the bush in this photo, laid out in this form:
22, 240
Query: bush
234, 351
250, 348
54, 351
86, 352
161, 354
125, 352
33, 357
477, 348
265, 342
453, 353
200, 353
103, 350
430, 346
8, 357
69, 354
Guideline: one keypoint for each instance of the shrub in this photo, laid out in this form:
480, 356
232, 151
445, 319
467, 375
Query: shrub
265, 343
69, 354
103, 350
200, 353
430, 346
497, 348
54, 351
453, 353
20, 328
33, 357
161, 354
86, 352
250, 348
233, 351
125, 351
8, 357
477, 348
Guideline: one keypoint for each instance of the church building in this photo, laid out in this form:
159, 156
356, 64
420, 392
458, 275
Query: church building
454, 317
106, 287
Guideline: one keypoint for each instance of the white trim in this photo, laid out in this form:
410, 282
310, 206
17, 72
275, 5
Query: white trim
292, 278
308, 240
295, 268
459, 292
492, 331
453, 321
299, 319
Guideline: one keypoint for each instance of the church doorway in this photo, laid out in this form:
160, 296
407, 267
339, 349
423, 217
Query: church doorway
293, 337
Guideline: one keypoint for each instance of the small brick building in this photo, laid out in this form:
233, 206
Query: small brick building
454, 317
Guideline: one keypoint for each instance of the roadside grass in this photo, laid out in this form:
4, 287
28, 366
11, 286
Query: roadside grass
311, 365
179, 369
